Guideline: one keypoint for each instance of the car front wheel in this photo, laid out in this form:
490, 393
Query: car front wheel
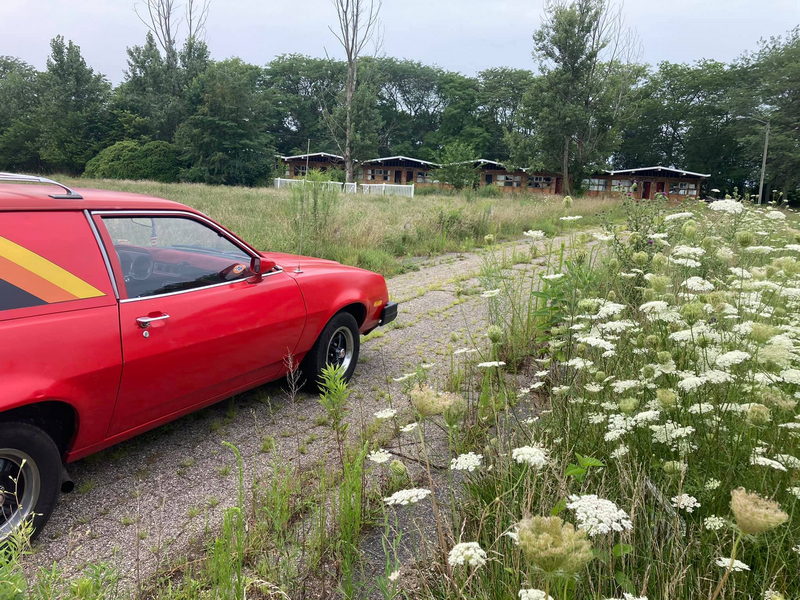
338, 344
30, 477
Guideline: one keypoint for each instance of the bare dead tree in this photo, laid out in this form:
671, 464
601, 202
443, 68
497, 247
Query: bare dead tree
357, 25
163, 19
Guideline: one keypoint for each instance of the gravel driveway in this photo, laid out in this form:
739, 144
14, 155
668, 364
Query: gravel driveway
147, 500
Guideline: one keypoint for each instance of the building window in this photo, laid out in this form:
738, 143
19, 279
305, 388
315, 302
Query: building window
595, 185
539, 181
621, 185
299, 170
683, 188
377, 174
509, 180
423, 177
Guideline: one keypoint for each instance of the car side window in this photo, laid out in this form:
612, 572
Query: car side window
161, 255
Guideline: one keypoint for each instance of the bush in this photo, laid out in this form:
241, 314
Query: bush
130, 159
489, 191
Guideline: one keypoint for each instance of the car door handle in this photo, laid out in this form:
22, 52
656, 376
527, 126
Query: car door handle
144, 322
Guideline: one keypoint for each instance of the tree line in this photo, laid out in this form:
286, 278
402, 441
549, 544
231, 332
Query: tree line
178, 115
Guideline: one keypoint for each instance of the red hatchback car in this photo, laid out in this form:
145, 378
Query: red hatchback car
120, 312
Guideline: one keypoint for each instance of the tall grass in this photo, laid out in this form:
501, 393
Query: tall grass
373, 232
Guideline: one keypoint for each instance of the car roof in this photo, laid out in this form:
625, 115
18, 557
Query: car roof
23, 196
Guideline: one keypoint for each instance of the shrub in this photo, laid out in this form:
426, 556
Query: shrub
131, 159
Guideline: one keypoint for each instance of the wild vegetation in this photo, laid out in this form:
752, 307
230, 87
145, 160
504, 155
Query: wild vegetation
585, 104
384, 234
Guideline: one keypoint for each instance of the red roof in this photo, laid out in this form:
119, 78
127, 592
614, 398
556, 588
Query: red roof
36, 197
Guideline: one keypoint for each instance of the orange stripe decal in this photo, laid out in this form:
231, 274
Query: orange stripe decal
39, 276
32, 283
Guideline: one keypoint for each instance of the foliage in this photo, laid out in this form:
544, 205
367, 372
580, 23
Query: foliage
457, 166
129, 159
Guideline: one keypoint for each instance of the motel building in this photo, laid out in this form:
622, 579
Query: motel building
675, 184
298, 166
397, 170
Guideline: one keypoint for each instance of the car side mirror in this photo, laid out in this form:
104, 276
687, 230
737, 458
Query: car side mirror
259, 266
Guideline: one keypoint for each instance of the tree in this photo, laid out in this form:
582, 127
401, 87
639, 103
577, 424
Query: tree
20, 87
579, 103
357, 23
457, 168
225, 139
72, 115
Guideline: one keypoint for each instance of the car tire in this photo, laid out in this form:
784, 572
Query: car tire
339, 343
30, 456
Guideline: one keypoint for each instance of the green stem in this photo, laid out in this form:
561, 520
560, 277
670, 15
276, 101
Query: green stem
727, 574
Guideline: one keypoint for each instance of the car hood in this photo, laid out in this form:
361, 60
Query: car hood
288, 261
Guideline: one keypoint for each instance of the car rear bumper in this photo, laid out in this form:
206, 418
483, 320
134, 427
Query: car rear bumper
388, 314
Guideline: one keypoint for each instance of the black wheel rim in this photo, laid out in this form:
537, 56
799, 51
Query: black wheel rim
340, 348
20, 484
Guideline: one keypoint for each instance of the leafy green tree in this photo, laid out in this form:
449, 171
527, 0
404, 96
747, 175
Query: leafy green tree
500, 102
19, 97
72, 115
579, 103
225, 139
457, 160
129, 159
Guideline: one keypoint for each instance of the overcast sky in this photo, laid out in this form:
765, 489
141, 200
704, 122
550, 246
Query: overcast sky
459, 35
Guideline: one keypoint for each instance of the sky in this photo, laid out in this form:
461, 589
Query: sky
459, 35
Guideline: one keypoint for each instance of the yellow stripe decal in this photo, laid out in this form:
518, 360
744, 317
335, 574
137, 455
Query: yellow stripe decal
47, 270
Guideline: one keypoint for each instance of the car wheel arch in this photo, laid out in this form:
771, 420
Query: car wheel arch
56, 418
357, 309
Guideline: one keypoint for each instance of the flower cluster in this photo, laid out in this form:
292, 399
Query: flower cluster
598, 516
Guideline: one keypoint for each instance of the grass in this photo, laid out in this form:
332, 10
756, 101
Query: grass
377, 233
670, 384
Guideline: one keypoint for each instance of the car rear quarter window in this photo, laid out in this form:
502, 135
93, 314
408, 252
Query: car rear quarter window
50, 261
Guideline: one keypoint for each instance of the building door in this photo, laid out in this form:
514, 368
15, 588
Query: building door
398, 176
659, 187
559, 183
646, 190
409, 176
488, 179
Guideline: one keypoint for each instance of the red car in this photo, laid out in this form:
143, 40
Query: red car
120, 312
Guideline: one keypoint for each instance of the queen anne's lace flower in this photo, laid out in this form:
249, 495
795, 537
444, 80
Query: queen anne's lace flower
386, 413
735, 565
685, 502
379, 456
731, 207
729, 359
597, 515
532, 594
534, 234
409, 496
467, 554
466, 462
534, 456
713, 523
491, 363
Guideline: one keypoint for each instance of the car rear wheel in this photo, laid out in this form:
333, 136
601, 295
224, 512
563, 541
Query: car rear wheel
30, 477
338, 344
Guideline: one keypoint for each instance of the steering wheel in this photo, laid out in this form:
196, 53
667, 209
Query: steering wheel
141, 268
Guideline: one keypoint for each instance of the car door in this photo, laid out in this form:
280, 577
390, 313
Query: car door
196, 326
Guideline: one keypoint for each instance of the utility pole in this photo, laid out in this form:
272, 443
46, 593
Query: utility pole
763, 158
763, 164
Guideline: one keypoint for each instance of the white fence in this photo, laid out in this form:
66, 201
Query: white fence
347, 188
388, 189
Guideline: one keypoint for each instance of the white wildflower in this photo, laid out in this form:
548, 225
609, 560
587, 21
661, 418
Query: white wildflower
409, 496
491, 363
571, 218
467, 554
729, 359
379, 456
597, 515
533, 594
534, 456
735, 565
731, 207
688, 251
713, 523
386, 413
490, 293
534, 234
466, 462
698, 284
762, 461
409, 428
552, 276
685, 502
712, 484
676, 216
